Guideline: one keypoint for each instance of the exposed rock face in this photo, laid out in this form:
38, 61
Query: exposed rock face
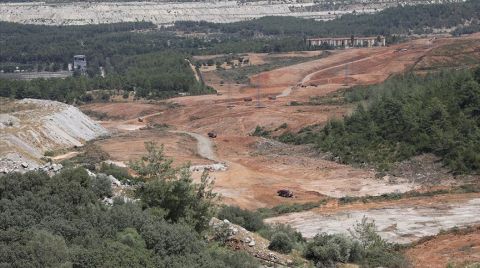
38, 126
166, 13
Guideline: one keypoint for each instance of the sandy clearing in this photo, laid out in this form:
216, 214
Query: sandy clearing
396, 223
130, 146
65, 156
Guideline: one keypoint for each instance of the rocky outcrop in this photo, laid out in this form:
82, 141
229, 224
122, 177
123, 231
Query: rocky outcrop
166, 13
238, 238
36, 126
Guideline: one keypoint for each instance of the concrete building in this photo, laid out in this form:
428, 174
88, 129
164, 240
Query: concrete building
80, 63
346, 42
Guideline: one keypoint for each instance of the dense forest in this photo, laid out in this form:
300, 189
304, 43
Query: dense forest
153, 75
133, 56
407, 116
391, 21
36, 47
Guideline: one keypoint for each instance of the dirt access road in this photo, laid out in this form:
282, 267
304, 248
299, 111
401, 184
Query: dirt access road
257, 168
205, 146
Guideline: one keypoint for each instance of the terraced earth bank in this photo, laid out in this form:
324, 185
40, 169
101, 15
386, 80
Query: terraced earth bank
396, 222
164, 13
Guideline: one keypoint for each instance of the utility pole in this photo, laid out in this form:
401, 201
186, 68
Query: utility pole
346, 74
258, 97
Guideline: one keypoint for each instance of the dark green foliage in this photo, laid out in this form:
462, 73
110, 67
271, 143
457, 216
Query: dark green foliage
407, 116
364, 246
396, 20
250, 220
280, 242
371, 250
61, 222
325, 250
119, 173
173, 190
237, 259
261, 132
288, 240
467, 188
158, 75
151, 63
289, 208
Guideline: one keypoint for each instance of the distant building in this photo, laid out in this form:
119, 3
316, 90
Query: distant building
348, 41
80, 63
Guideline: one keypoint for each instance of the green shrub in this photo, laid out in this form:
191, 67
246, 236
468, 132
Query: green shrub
364, 246
289, 208
250, 220
297, 241
329, 249
281, 243
49, 153
261, 132
119, 173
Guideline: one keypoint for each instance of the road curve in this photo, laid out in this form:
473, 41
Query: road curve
204, 145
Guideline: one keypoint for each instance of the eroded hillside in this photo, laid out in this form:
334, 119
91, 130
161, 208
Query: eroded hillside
162, 13
29, 128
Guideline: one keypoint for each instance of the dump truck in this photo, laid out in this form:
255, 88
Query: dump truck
212, 134
285, 193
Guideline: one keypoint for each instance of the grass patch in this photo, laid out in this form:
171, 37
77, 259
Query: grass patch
290, 208
463, 189
240, 75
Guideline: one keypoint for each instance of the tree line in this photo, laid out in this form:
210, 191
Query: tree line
407, 116
153, 75
399, 20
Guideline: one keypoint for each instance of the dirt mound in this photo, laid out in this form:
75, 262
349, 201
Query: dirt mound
238, 238
31, 127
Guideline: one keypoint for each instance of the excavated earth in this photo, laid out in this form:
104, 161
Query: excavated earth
30, 127
457, 248
399, 222
257, 167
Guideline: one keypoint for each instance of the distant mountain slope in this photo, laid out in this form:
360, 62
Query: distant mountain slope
164, 13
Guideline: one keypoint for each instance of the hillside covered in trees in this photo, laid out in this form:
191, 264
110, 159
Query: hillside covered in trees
60, 221
391, 21
407, 116
153, 75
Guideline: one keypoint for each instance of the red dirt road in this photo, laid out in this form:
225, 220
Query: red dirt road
255, 173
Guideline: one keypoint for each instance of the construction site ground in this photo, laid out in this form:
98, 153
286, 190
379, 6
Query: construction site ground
258, 167
458, 248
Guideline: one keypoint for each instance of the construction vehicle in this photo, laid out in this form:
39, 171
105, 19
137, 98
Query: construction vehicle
212, 134
285, 193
